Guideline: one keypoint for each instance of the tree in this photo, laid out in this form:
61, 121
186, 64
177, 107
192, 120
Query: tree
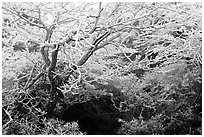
76, 40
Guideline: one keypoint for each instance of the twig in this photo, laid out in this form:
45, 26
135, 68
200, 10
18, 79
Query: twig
97, 46
10, 119
34, 80
118, 46
29, 76
97, 18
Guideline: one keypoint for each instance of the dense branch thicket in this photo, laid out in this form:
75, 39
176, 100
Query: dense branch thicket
135, 68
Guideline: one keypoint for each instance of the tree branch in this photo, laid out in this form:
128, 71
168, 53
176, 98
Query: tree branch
97, 18
29, 19
52, 68
34, 80
93, 49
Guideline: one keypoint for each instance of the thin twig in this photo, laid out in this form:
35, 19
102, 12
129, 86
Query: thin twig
31, 72
10, 118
